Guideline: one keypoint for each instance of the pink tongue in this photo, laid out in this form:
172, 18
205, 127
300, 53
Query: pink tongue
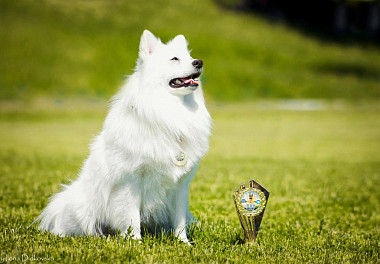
191, 81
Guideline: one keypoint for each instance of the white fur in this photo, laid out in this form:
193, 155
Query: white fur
129, 179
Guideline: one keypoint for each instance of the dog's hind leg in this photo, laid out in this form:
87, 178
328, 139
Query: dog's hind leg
124, 210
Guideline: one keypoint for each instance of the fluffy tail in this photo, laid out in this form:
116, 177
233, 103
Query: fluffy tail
35, 221
69, 214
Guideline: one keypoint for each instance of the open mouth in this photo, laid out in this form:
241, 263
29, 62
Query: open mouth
186, 81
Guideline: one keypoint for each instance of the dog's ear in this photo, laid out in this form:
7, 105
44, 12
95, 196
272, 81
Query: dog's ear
148, 44
180, 40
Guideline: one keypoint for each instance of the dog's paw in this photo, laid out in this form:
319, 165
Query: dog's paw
187, 243
132, 234
185, 240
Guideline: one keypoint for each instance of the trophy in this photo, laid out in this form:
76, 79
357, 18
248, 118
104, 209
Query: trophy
250, 203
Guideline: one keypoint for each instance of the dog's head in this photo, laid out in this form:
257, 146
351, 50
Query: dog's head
169, 65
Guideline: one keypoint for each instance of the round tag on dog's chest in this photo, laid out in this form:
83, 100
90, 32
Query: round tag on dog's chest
180, 159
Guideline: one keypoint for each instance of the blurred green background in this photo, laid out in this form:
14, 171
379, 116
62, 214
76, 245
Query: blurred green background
66, 49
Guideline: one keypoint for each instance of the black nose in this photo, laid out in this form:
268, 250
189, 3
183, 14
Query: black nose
197, 63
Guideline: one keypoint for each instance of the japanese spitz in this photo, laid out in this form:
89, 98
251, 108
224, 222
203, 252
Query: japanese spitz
140, 165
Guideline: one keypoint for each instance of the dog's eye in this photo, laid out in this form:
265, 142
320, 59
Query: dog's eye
174, 59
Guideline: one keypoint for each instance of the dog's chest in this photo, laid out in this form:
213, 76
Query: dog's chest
176, 145
167, 141
172, 157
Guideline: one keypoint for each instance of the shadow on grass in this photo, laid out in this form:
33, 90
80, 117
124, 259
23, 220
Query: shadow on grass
207, 233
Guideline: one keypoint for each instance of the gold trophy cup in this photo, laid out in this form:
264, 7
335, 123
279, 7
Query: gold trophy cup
250, 203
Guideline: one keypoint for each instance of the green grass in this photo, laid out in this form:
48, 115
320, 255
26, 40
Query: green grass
321, 167
55, 48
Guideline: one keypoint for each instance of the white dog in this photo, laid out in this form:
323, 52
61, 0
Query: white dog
140, 165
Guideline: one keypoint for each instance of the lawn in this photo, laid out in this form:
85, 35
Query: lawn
321, 167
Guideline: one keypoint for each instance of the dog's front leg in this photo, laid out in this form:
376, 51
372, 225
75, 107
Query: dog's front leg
181, 206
